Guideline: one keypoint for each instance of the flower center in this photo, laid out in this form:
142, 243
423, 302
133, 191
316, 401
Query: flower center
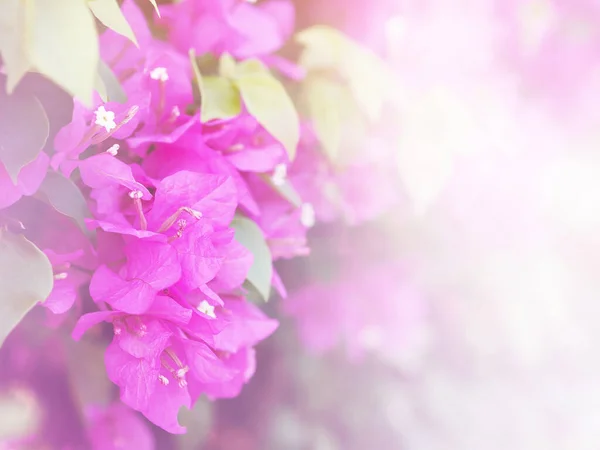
113, 150
159, 74
206, 308
279, 175
181, 224
105, 119
178, 373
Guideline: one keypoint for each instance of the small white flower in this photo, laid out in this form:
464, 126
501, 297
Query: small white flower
159, 74
279, 174
113, 150
307, 215
105, 118
206, 308
136, 194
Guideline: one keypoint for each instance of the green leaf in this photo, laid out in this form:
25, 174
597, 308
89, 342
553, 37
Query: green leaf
250, 236
267, 100
366, 74
24, 129
109, 13
66, 198
12, 42
155, 7
220, 99
337, 119
250, 66
63, 44
323, 98
108, 86
25, 279
227, 66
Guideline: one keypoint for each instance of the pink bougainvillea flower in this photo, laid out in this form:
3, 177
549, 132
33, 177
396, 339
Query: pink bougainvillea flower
66, 281
284, 224
246, 145
105, 170
199, 255
190, 153
239, 28
118, 51
114, 185
247, 325
205, 195
243, 365
152, 360
150, 267
235, 265
92, 128
262, 28
117, 426
28, 181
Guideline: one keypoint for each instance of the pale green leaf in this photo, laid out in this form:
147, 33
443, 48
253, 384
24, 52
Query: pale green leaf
337, 119
220, 99
24, 129
324, 47
323, 98
25, 279
66, 198
267, 100
155, 7
248, 233
100, 87
227, 66
12, 42
109, 13
108, 86
62, 44
366, 74
250, 66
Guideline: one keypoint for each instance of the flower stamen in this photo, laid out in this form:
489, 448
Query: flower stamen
113, 150
206, 308
136, 196
159, 74
279, 175
173, 218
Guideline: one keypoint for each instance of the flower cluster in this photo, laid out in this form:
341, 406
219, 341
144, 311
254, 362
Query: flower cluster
166, 198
